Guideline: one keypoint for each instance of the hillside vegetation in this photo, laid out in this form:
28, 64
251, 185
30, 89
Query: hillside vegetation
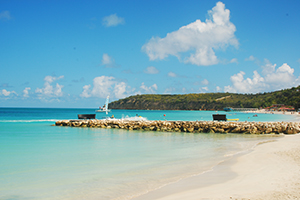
208, 101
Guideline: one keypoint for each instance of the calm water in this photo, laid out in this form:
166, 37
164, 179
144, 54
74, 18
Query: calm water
40, 161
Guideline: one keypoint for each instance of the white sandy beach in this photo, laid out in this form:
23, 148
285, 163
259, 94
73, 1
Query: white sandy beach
274, 112
270, 171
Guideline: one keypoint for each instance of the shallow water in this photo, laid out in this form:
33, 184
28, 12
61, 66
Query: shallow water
40, 161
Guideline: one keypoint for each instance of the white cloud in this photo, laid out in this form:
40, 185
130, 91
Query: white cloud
86, 91
234, 60
201, 37
268, 67
7, 93
204, 89
48, 91
104, 86
108, 61
5, 15
251, 58
58, 90
283, 77
173, 90
169, 90
278, 79
50, 79
218, 89
254, 59
205, 82
120, 90
38, 90
151, 70
149, 90
172, 74
26, 92
112, 20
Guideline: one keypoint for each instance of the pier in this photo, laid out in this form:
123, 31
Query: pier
189, 126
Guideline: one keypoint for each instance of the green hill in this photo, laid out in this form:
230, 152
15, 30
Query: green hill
208, 101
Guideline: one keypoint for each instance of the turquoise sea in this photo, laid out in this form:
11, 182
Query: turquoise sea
41, 161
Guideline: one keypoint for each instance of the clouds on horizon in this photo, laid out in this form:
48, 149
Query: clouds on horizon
270, 80
148, 90
48, 91
26, 92
7, 93
201, 37
104, 86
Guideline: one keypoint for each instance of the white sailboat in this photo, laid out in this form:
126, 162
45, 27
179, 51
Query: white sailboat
105, 107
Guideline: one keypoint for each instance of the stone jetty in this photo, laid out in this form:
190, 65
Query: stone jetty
189, 126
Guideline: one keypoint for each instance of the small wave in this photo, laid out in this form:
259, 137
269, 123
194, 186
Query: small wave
31, 120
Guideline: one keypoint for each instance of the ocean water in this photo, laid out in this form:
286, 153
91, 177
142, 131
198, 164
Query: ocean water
41, 161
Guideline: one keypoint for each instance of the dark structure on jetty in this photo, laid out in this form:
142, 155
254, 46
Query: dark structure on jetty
86, 116
220, 117
189, 126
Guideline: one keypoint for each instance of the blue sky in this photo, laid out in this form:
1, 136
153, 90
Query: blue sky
75, 53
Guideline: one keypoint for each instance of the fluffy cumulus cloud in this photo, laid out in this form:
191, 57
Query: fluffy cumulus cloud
49, 91
7, 93
104, 86
272, 79
86, 91
151, 70
120, 90
26, 92
112, 20
202, 38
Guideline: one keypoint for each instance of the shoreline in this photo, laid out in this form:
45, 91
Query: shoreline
295, 114
269, 171
274, 112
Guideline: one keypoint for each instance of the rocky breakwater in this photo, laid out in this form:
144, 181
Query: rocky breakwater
189, 126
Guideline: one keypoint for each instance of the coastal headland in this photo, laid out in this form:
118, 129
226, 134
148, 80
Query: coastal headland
208, 101
189, 126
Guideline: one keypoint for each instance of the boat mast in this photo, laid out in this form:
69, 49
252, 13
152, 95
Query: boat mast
106, 104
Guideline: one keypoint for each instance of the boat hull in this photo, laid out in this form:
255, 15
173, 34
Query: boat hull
102, 110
